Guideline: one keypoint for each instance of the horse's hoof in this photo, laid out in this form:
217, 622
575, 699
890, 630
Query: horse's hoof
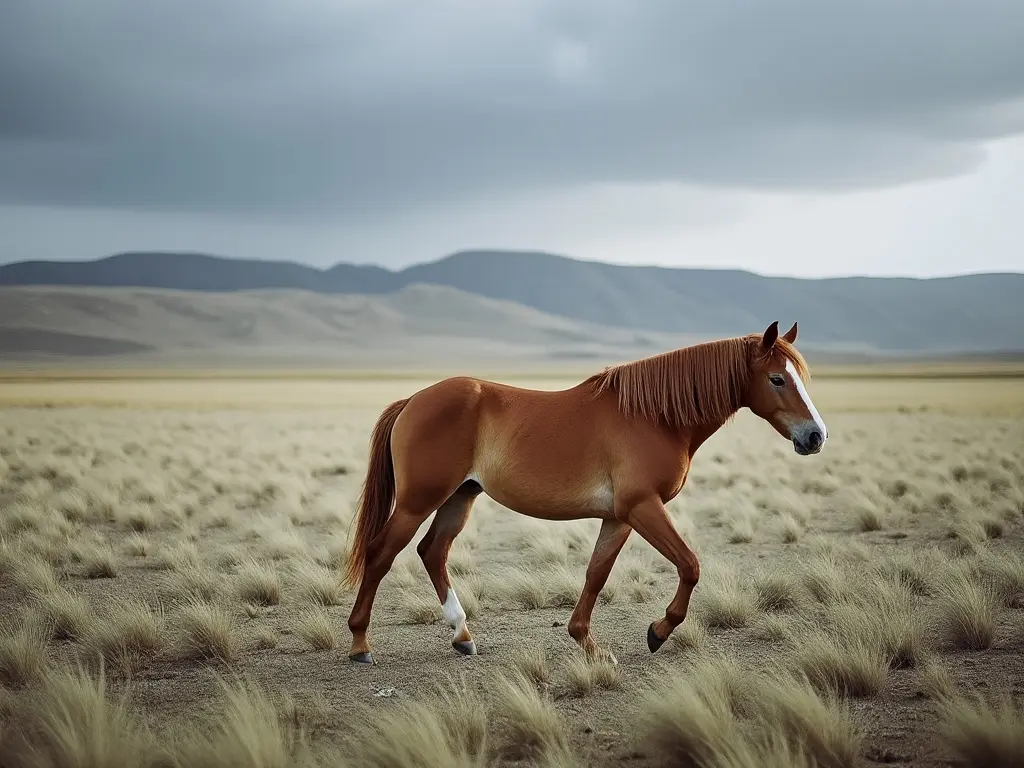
362, 658
465, 647
653, 641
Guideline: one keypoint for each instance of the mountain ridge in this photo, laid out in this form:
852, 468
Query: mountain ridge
17, 270
949, 314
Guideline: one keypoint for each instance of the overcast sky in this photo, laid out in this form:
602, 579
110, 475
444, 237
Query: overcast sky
806, 137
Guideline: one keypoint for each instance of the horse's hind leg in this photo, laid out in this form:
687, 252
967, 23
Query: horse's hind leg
610, 541
381, 554
448, 523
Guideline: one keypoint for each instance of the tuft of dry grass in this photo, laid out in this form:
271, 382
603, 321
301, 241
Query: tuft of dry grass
284, 545
637, 585
98, 562
557, 587
725, 602
23, 652
34, 575
131, 631
883, 617
869, 519
778, 591
789, 529
68, 613
967, 612
1003, 574
532, 663
691, 635
824, 578
992, 525
461, 561
817, 727
420, 609
22, 516
967, 536
533, 724
136, 516
75, 721
258, 583
246, 732
316, 628
317, 584
192, 582
847, 667
720, 717
741, 530
73, 504
934, 679
980, 731
447, 728
178, 556
546, 549
584, 675
137, 545
207, 631
915, 574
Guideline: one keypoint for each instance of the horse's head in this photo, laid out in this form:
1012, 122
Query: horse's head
777, 394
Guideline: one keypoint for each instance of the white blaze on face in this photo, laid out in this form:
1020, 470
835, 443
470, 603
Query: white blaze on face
453, 613
799, 384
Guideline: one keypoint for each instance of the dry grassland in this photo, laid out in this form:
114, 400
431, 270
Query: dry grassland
984, 389
169, 593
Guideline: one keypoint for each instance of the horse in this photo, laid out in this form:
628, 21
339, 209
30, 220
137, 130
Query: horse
617, 447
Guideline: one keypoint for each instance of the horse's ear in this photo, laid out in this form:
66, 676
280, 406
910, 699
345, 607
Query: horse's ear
790, 335
770, 335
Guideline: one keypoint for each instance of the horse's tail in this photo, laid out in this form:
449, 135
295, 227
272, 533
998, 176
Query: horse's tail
378, 492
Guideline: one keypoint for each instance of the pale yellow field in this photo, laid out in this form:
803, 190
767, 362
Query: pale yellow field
956, 391
187, 533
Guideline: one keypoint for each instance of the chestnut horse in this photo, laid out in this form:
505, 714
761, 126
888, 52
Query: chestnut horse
615, 447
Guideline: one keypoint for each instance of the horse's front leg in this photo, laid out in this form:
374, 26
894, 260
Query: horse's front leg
610, 541
651, 520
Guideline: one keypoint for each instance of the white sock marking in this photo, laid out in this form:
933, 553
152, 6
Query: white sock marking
453, 613
799, 384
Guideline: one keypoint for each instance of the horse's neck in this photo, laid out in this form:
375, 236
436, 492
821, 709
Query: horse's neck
698, 435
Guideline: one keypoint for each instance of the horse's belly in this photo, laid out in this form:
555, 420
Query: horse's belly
549, 496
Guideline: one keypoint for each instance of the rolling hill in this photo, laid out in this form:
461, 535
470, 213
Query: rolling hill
971, 313
418, 323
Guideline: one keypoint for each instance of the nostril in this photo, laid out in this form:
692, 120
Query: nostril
814, 439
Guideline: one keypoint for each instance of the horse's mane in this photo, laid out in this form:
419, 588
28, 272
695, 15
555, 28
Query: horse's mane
700, 384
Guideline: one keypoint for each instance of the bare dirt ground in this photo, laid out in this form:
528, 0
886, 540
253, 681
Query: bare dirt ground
169, 555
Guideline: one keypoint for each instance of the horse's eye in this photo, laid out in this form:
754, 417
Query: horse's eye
777, 380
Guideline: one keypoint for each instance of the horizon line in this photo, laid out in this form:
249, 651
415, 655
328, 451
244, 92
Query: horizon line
511, 251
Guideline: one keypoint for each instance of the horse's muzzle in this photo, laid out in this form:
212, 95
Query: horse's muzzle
809, 443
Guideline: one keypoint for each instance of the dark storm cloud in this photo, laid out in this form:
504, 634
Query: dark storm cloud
353, 108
